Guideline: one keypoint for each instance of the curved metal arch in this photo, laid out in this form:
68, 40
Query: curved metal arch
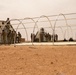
61, 30
56, 22
65, 33
34, 22
18, 26
23, 26
71, 30
38, 20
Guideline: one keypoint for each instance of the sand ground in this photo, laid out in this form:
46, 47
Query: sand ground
38, 60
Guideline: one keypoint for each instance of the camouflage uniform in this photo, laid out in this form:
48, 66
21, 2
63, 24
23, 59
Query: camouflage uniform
32, 37
0, 35
3, 37
49, 37
12, 37
56, 36
9, 37
19, 37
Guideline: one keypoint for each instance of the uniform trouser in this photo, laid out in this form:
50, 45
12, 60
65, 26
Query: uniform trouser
0, 38
9, 40
12, 40
4, 40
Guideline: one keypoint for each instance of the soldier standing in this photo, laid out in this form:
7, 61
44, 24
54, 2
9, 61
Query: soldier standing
48, 37
8, 25
3, 37
12, 36
41, 35
8, 21
9, 37
32, 37
56, 36
19, 37
0, 35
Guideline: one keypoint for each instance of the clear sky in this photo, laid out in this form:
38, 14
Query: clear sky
32, 8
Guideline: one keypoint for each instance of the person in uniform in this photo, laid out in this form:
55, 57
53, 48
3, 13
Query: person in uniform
0, 35
19, 37
8, 21
32, 37
48, 37
9, 37
41, 35
56, 36
12, 37
36, 37
3, 36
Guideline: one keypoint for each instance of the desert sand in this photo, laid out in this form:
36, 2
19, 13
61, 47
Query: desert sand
37, 60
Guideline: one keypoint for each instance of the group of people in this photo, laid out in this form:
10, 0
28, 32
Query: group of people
42, 36
10, 37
